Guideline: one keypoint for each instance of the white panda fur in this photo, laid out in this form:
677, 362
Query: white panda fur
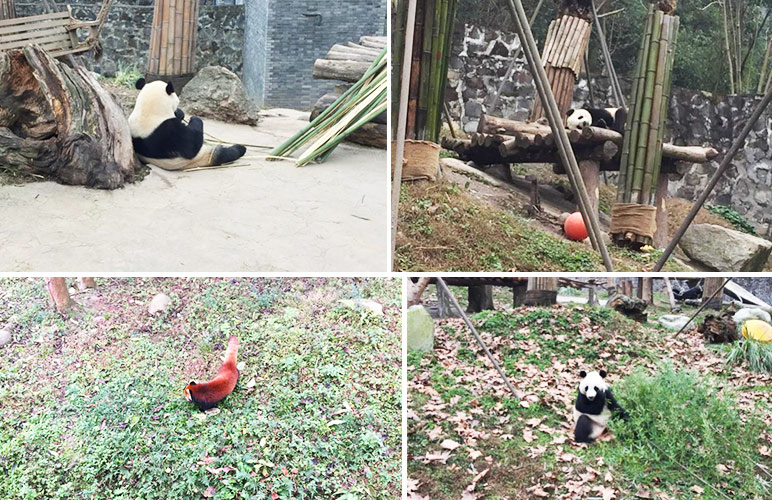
612, 118
593, 407
161, 137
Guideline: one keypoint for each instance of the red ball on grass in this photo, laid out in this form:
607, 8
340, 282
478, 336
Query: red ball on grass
574, 227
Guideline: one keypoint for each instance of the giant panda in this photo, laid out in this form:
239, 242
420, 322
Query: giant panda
613, 118
593, 407
161, 137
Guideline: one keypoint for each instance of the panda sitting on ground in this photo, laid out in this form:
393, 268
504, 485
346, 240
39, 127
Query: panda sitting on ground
613, 118
593, 407
161, 137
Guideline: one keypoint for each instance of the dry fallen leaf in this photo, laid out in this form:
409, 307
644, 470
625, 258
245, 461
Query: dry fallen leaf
209, 492
449, 444
528, 436
697, 489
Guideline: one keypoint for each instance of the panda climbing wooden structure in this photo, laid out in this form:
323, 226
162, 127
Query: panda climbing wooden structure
161, 137
594, 406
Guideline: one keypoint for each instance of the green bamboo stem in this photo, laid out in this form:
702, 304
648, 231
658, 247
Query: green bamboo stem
656, 123
622, 190
333, 110
643, 132
673, 37
638, 109
415, 73
397, 53
447, 47
430, 14
437, 63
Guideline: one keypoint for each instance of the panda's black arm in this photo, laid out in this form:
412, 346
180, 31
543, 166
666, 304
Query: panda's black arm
613, 405
180, 114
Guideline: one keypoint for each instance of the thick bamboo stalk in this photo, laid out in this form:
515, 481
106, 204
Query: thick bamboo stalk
673, 39
624, 162
415, 73
429, 32
7, 9
648, 97
728, 45
397, 54
448, 43
656, 112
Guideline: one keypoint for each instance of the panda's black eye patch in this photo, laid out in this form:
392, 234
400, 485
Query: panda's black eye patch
597, 390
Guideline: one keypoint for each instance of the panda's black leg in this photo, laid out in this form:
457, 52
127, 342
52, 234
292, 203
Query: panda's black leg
583, 430
223, 155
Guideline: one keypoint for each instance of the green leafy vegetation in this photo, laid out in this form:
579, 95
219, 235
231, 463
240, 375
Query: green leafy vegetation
126, 76
680, 421
730, 215
92, 404
752, 353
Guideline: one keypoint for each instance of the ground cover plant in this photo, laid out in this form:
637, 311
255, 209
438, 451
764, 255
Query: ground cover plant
700, 427
92, 403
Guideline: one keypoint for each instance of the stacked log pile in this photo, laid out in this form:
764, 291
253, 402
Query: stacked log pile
348, 63
499, 140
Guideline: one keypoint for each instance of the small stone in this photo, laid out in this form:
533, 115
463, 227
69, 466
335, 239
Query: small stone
369, 305
159, 303
5, 336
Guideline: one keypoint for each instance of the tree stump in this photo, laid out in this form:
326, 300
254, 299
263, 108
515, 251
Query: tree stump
718, 329
58, 122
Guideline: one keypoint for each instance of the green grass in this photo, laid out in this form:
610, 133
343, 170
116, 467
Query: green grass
757, 356
732, 216
684, 425
92, 404
126, 76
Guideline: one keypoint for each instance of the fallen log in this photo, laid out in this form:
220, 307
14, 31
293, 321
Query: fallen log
370, 134
494, 125
58, 122
346, 71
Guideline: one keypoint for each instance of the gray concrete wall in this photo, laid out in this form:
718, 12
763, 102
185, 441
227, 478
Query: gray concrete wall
255, 42
299, 32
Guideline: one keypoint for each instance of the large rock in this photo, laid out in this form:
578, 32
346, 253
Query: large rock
722, 249
420, 329
218, 93
747, 313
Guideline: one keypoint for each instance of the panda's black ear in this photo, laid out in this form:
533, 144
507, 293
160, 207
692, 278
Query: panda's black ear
570, 112
140, 83
192, 382
582, 373
602, 373
169, 88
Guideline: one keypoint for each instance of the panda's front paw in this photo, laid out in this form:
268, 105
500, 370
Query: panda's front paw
195, 123
179, 114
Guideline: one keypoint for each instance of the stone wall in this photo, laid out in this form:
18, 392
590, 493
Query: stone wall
126, 35
480, 60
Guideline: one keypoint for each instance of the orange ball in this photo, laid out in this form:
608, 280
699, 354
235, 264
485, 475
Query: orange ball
574, 227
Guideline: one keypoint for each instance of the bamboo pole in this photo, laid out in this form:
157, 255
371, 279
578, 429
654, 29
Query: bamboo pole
619, 96
397, 54
657, 114
451, 21
415, 73
556, 123
651, 68
673, 40
399, 155
760, 87
725, 8
430, 29
738, 143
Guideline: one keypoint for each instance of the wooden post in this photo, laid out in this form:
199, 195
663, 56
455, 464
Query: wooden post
444, 307
590, 171
592, 298
7, 9
670, 296
518, 295
713, 286
661, 236
60, 296
480, 298
84, 283
173, 42
647, 290
541, 291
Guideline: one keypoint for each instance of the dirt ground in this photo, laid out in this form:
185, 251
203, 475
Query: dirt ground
265, 216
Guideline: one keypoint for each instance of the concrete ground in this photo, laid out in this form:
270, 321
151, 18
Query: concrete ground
268, 216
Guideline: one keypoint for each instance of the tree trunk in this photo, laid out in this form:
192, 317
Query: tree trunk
480, 298
7, 9
444, 308
58, 122
670, 296
57, 289
415, 290
647, 292
84, 283
713, 285
541, 292
518, 295
345, 71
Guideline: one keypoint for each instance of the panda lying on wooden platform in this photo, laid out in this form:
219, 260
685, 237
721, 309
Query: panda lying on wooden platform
161, 137
613, 118
593, 407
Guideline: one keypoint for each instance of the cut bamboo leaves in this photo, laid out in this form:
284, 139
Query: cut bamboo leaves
359, 105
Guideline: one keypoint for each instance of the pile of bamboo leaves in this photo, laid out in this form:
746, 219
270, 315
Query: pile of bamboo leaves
360, 104
645, 127
429, 57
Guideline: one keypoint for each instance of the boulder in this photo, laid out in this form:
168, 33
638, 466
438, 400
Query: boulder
726, 250
216, 92
673, 321
420, 329
159, 303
